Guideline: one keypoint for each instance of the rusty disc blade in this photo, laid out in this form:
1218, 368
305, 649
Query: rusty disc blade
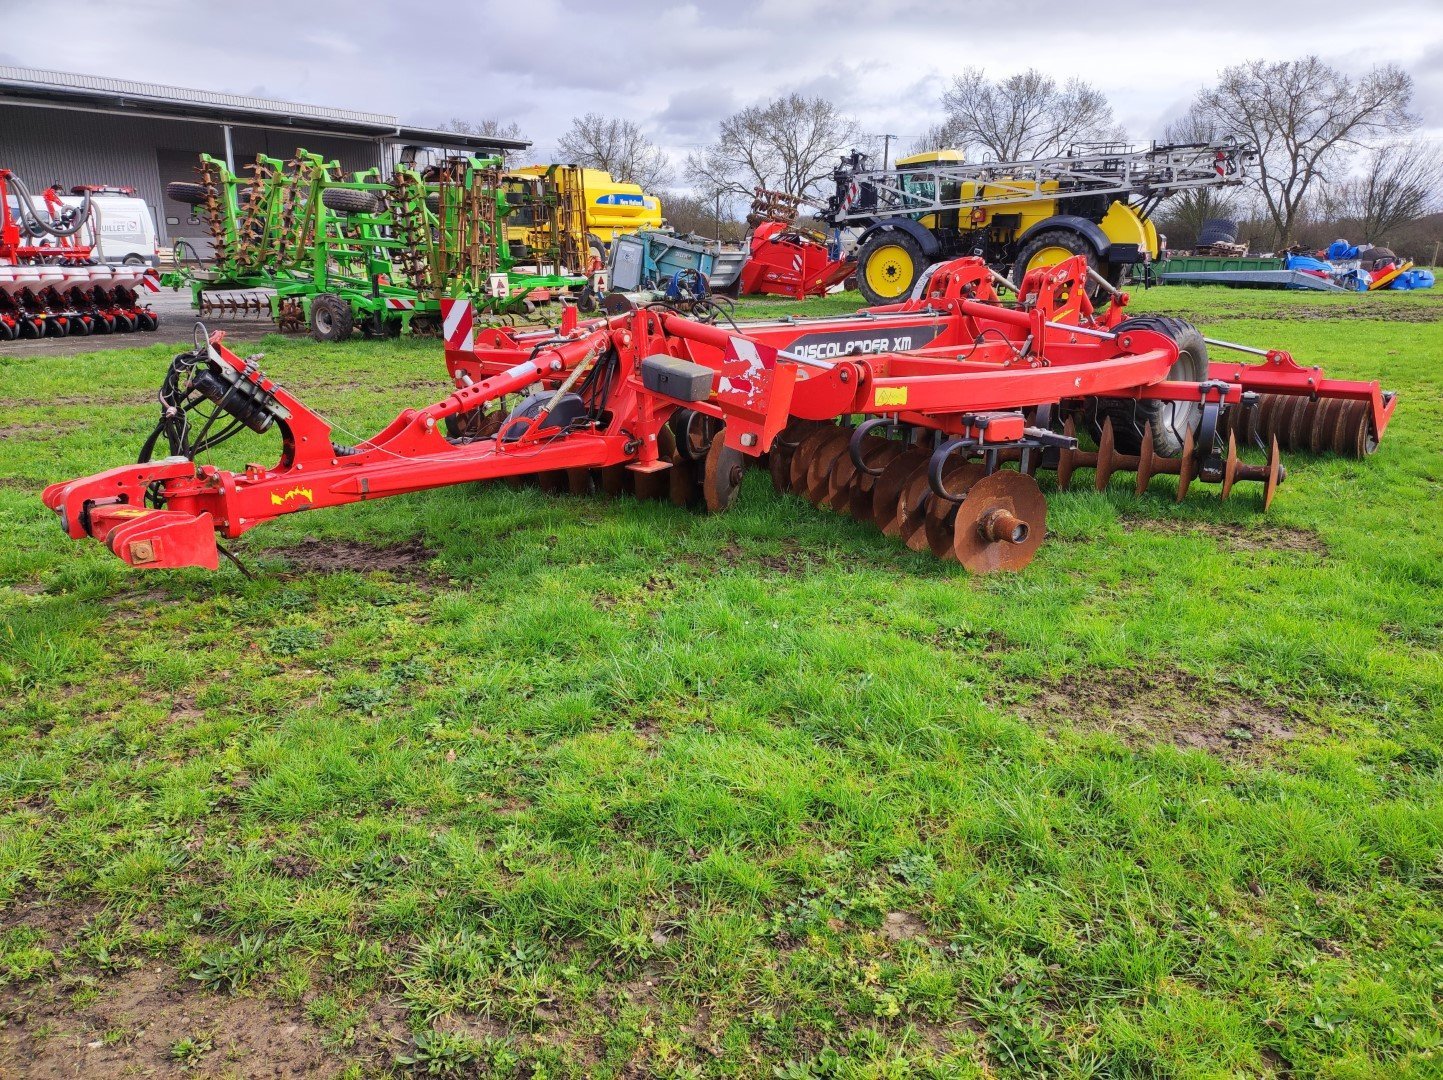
1106, 461
681, 481
1187, 467
1230, 466
887, 489
1001, 523
722, 475
552, 482
860, 506
1325, 425
843, 477
656, 485
614, 480
819, 470
802, 457
1144, 459
912, 510
940, 521
1067, 457
1296, 419
578, 481
1275, 476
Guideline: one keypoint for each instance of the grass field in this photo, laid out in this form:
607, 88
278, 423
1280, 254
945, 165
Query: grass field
487, 782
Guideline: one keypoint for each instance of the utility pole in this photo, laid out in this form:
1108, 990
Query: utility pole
886, 148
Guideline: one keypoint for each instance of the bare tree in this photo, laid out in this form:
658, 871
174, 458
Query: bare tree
1302, 115
487, 127
1397, 185
1024, 117
690, 213
1182, 215
790, 144
615, 146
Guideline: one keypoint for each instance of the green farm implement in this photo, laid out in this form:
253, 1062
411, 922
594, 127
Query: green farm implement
298, 242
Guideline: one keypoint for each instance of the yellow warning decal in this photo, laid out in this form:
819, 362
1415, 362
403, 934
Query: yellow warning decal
129, 511
303, 492
889, 395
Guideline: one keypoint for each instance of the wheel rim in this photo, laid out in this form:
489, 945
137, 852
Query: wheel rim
890, 270
1049, 256
323, 321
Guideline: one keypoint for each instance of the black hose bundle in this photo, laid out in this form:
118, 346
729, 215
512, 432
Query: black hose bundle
72, 220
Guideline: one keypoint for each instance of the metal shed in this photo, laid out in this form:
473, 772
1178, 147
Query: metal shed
89, 129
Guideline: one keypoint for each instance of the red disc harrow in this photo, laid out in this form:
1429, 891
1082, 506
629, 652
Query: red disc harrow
930, 418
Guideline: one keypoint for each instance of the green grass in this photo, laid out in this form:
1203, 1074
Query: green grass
609, 789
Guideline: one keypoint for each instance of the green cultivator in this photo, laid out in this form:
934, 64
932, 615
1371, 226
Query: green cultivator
298, 243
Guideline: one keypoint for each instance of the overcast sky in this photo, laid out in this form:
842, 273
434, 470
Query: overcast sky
676, 68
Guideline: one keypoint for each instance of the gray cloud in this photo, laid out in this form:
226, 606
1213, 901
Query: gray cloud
676, 68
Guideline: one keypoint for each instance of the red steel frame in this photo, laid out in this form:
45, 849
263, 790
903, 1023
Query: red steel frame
973, 366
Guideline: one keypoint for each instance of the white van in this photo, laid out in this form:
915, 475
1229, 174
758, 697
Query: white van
121, 227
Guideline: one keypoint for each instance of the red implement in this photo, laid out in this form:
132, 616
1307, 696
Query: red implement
955, 375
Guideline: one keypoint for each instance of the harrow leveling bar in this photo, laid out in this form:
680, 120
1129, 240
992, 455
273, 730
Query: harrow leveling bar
929, 418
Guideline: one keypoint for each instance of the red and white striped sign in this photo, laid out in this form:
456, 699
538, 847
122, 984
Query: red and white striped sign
396, 304
151, 280
458, 325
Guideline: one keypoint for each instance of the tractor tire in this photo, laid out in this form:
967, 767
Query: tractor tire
597, 249
1170, 420
183, 191
1050, 247
331, 318
346, 201
888, 267
1217, 231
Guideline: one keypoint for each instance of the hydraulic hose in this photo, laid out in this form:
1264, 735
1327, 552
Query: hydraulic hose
33, 222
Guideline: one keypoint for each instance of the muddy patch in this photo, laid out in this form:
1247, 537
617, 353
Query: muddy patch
152, 1022
1148, 708
792, 560
1420, 313
1261, 536
312, 556
903, 926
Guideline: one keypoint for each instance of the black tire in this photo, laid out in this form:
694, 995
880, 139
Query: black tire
134, 260
1066, 239
433, 202
896, 262
1171, 420
331, 318
598, 249
182, 191
147, 321
1217, 231
347, 201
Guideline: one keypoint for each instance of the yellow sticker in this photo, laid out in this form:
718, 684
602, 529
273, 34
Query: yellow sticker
295, 492
889, 395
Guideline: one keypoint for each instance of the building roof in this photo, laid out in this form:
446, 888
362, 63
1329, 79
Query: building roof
60, 89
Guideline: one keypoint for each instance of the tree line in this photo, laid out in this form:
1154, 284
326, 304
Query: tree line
1338, 153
